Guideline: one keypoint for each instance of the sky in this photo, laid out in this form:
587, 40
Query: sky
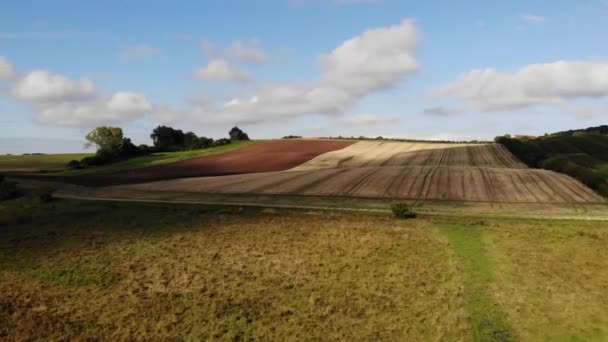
455, 70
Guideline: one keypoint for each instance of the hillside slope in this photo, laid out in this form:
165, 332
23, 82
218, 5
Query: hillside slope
463, 173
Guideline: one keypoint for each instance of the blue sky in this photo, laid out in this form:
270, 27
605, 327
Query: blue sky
286, 67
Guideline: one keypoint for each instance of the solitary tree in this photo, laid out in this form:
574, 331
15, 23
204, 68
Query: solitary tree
108, 140
237, 134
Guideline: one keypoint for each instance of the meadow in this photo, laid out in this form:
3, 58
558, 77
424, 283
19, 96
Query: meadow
79, 270
37, 162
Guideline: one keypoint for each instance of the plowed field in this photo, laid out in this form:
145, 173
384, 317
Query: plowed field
407, 154
404, 170
275, 155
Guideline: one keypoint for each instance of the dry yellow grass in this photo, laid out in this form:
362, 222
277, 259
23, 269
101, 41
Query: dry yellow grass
125, 271
552, 278
81, 270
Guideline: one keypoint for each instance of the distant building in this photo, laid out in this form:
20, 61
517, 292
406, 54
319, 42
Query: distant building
521, 136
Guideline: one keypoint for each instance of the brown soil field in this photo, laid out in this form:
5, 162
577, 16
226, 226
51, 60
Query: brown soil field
486, 173
424, 154
275, 155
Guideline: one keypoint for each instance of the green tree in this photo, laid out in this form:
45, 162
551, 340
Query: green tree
108, 140
167, 139
237, 134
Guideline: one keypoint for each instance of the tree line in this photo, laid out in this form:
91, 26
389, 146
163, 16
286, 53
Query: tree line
112, 145
581, 154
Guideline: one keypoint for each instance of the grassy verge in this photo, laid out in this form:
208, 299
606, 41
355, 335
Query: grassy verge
488, 323
37, 163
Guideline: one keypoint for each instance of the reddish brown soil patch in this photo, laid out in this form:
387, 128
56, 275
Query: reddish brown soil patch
275, 155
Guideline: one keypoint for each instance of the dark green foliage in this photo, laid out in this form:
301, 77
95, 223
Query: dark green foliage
221, 142
45, 194
75, 165
168, 139
603, 129
8, 189
237, 134
292, 137
403, 211
577, 154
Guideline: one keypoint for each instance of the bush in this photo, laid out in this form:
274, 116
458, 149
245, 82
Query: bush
45, 194
221, 142
75, 165
8, 189
403, 211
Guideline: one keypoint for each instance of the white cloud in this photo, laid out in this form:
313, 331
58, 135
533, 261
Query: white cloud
532, 18
138, 51
119, 107
220, 70
375, 60
370, 119
7, 71
41, 85
128, 103
536, 84
238, 51
60, 101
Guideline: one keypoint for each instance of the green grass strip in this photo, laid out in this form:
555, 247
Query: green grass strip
487, 322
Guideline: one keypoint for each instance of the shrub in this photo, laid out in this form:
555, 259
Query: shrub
221, 142
403, 211
8, 189
45, 194
75, 165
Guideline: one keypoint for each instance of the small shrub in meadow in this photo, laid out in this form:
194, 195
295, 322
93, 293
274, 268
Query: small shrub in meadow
8, 189
75, 165
45, 194
403, 211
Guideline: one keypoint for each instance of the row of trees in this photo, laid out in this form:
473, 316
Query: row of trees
580, 155
112, 145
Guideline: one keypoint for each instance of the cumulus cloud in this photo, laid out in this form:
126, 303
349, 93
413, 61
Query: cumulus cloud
42, 85
61, 101
532, 18
238, 51
370, 119
376, 59
138, 51
551, 83
220, 70
7, 71
118, 107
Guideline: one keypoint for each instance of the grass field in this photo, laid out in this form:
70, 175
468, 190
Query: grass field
58, 162
75, 270
37, 163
